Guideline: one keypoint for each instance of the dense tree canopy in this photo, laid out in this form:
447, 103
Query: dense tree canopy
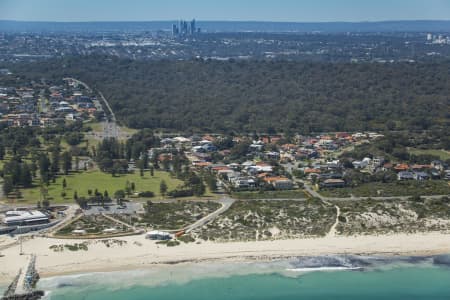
263, 96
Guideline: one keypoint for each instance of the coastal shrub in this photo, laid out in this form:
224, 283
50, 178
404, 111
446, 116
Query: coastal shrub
172, 243
342, 219
180, 193
76, 247
146, 194
186, 238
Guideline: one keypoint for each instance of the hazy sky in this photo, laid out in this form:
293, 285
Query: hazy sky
261, 10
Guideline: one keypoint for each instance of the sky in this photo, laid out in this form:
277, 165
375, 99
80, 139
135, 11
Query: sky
224, 10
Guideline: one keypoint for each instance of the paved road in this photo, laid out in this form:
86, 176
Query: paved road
111, 113
110, 128
226, 204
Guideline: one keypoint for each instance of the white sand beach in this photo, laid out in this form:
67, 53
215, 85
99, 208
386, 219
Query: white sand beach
135, 252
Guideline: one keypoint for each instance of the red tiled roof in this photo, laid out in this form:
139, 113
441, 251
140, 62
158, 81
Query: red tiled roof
401, 167
311, 170
274, 179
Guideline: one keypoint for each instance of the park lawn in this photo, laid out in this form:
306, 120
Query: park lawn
95, 179
444, 155
96, 126
127, 130
399, 188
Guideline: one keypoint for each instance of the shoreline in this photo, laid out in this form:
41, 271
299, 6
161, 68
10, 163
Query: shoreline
135, 252
231, 259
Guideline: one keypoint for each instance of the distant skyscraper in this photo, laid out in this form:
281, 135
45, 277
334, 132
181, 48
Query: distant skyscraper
185, 28
192, 29
174, 30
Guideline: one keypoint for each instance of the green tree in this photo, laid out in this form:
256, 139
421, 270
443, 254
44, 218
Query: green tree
119, 194
163, 188
67, 162
44, 168
211, 181
55, 161
2, 151
152, 171
46, 203
26, 178
77, 163
199, 189
8, 187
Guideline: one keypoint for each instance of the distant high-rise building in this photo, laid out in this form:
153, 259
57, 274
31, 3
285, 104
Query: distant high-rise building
192, 29
175, 30
185, 28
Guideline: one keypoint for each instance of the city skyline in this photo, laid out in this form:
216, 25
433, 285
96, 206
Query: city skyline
232, 10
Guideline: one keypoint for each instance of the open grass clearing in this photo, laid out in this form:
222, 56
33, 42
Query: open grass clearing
95, 179
443, 154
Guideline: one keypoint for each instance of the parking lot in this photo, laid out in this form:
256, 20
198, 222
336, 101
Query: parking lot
114, 209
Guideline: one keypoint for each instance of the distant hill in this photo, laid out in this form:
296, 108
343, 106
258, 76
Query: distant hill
229, 26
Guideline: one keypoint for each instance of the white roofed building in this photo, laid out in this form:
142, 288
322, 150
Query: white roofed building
25, 218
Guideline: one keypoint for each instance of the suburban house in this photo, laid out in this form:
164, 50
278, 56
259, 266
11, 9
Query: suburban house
421, 176
361, 164
405, 175
244, 182
332, 183
279, 182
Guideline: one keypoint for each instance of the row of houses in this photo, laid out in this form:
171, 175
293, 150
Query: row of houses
42, 106
250, 175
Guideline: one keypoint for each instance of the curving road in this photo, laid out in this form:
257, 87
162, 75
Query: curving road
226, 204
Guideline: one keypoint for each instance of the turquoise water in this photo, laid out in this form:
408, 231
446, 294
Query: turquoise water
398, 282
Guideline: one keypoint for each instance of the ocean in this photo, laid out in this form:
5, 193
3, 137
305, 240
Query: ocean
312, 278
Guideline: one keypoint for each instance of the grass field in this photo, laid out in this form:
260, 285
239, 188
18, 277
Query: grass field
96, 126
82, 182
444, 155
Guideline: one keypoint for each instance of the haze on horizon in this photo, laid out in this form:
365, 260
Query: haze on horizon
230, 10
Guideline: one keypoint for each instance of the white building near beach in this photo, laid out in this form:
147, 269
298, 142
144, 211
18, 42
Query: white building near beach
158, 235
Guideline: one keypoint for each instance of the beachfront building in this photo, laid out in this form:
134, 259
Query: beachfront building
25, 218
158, 235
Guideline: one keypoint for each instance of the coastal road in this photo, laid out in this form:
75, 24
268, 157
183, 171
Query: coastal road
226, 204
